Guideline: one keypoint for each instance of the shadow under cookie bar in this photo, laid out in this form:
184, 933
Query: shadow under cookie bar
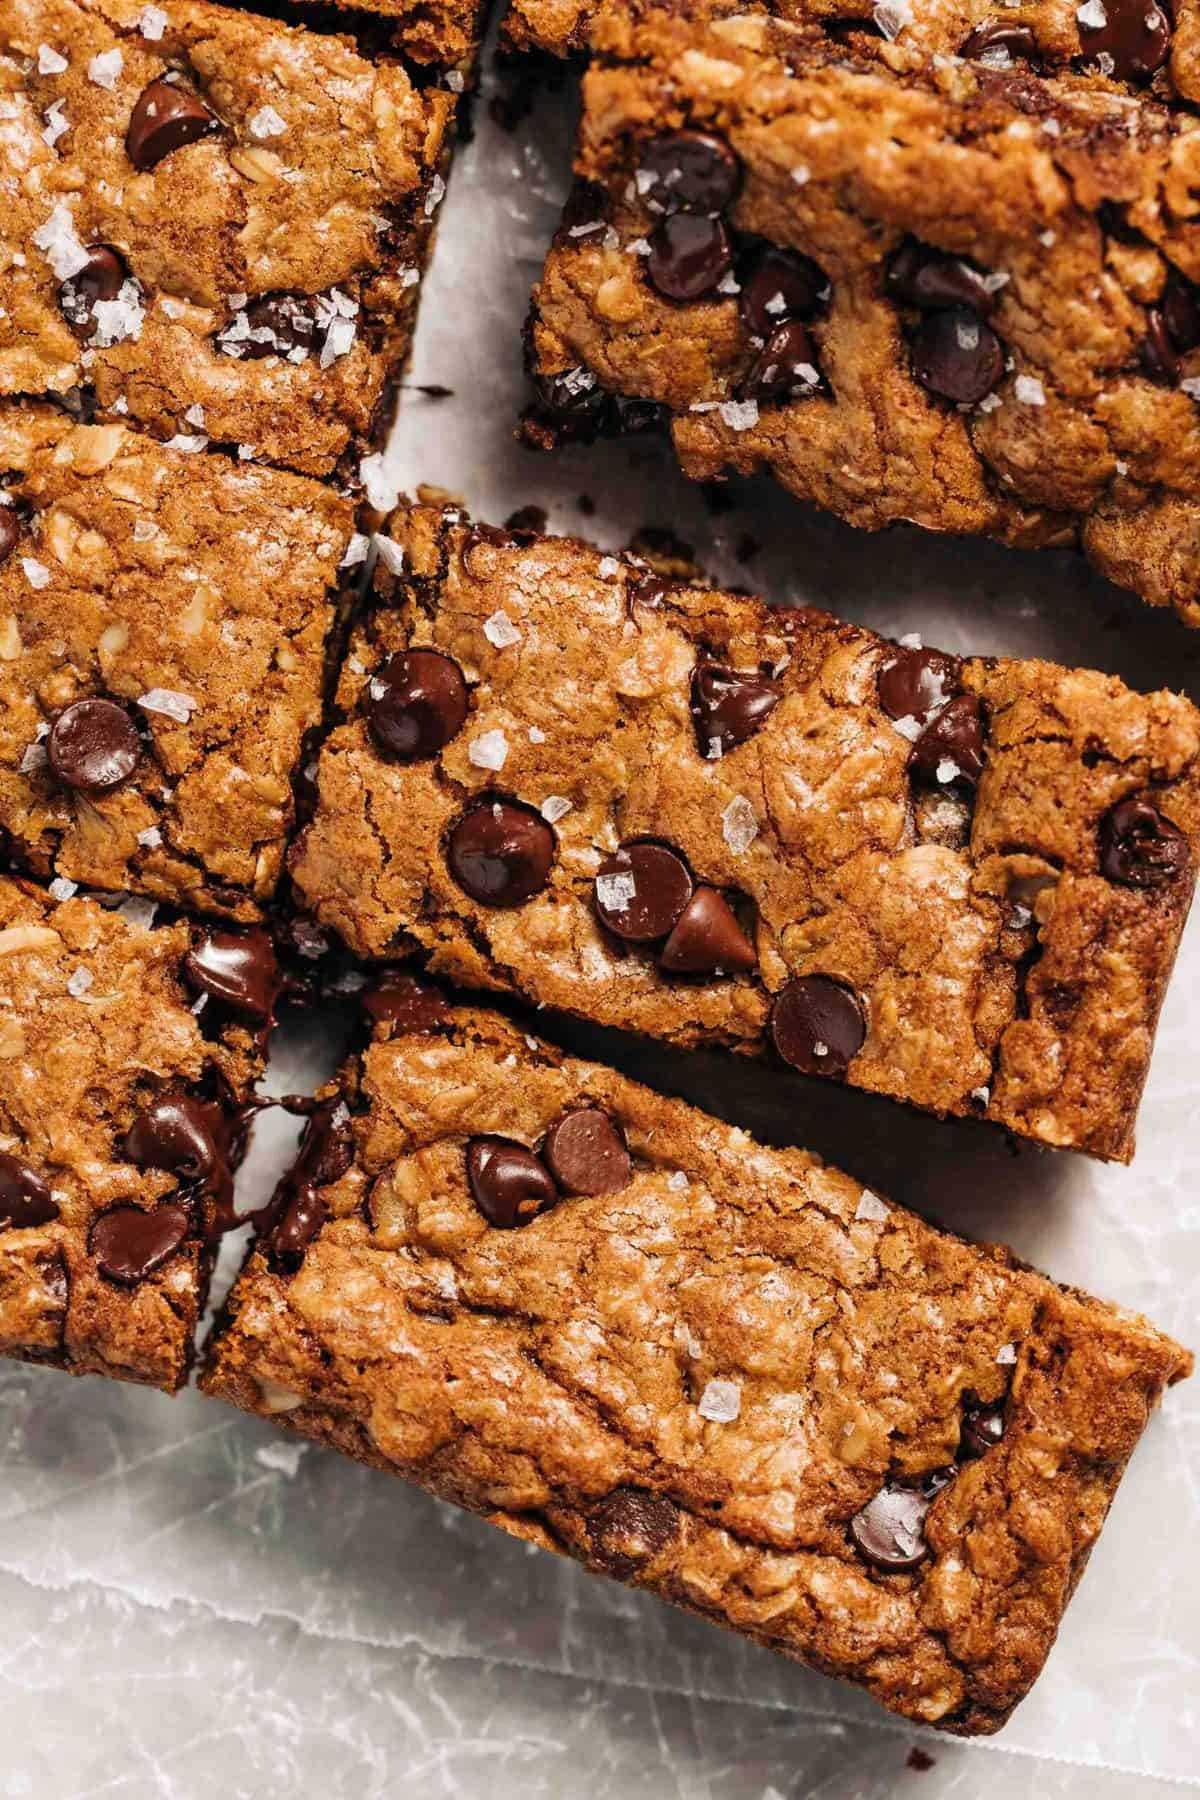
215, 224
127, 1057
679, 812
957, 296
730, 1375
164, 623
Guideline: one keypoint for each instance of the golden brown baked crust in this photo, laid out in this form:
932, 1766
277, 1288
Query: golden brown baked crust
118, 583
96, 1026
1067, 200
314, 188
998, 971
443, 34
697, 1381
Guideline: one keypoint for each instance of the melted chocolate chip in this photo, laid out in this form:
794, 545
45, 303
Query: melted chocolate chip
889, 1531
587, 1154
1139, 847
297, 1210
689, 256
501, 853
817, 1025
25, 1197
405, 1004
951, 746
175, 1132
1135, 36
982, 1428
102, 277
1181, 311
920, 276
688, 171
164, 118
237, 968
641, 890
785, 368
573, 403
707, 938
93, 746
914, 683
996, 36
10, 532
729, 708
956, 356
779, 285
129, 1244
509, 1184
272, 325
416, 703
630, 1527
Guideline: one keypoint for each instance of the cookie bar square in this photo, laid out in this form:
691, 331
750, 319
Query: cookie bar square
214, 223
127, 1054
956, 295
729, 1375
958, 883
164, 620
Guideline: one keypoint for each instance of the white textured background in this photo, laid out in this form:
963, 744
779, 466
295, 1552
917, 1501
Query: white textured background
195, 1605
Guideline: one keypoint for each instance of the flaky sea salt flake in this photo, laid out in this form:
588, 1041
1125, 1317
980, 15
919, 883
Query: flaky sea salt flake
49, 61
57, 239
871, 1208
488, 751
1007, 1353
152, 23
391, 554
739, 415
721, 1402
105, 67
170, 702
614, 892
36, 573
356, 551
555, 807
79, 981
499, 630
739, 826
266, 123
1029, 390
61, 889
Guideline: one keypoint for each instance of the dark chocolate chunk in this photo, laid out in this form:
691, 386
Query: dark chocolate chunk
1156, 351
297, 1210
1139, 847
785, 368
982, 1427
272, 325
707, 939
416, 703
102, 277
509, 1184
573, 403
174, 1132
587, 1154
129, 1244
690, 172
630, 1527
956, 356
1133, 41
164, 118
93, 746
238, 968
501, 853
953, 736
817, 1025
25, 1197
641, 890
689, 256
918, 275
779, 285
729, 708
405, 1004
889, 1531
1181, 311
987, 41
914, 683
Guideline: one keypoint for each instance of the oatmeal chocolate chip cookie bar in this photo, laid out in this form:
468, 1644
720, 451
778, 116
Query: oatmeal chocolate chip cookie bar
213, 224
164, 619
730, 1375
957, 296
958, 883
127, 1055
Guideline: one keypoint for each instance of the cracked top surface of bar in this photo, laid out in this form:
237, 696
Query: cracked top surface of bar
704, 1366
164, 620
119, 1126
214, 222
922, 876
955, 295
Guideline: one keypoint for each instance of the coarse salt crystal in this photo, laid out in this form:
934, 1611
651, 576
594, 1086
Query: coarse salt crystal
356, 551
1052, 128
871, 1207
169, 702
499, 630
966, 332
433, 199
989, 403
137, 913
379, 489
948, 770
1007, 1353
338, 340
677, 1181
739, 825
1092, 14
910, 641
62, 889
195, 416
801, 173
555, 807
151, 838
739, 415
614, 892
190, 443
144, 530
455, 81
391, 554
909, 727
266, 123
36, 573
488, 751
536, 735
105, 67
56, 123
152, 23
34, 758
1191, 387
721, 1402
892, 16
609, 566
49, 62
716, 749
57, 240
79, 981
981, 1094
1029, 390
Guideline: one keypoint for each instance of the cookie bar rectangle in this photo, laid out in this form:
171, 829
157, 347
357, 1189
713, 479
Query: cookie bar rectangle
214, 223
954, 294
127, 1054
958, 883
729, 1375
164, 622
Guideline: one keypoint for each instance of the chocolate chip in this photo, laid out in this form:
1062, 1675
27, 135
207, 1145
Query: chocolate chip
1156, 352
1135, 35
982, 1428
175, 1132
914, 683
920, 276
501, 853
587, 1154
817, 1025
404, 1003
10, 532
572, 403
298, 1225
890, 1529
1018, 40
729, 708
629, 416
707, 938
1139, 847
238, 968
950, 748
164, 118
1181, 311
785, 368
690, 172
273, 325
956, 356
509, 1184
630, 1527
416, 703
93, 746
129, 1244
779, 285
297, 1210
641, 890
25, 1197
102, 277
689, 256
